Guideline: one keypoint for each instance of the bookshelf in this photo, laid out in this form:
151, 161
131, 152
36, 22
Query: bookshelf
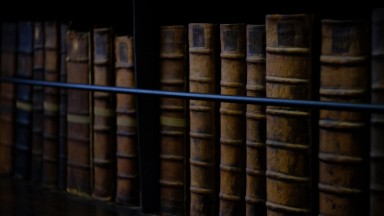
143, 21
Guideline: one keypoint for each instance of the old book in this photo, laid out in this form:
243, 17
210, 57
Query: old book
344, 77
377, 120
255, 194
232, 119
37, 103
23, 134
62, 142
7, 96
127, 183
103, 115
173, 112
78, 114
203, 66
51, 104
288, 76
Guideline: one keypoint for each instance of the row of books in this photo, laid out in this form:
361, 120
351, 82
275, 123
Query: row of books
239, 158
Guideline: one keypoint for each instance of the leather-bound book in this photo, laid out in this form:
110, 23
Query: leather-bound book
62, 142
203, 134
377, 120
232, 119
51, 104
37, 103
343, 137
255, 194
173, 113
7, 95
103, 115
288, 76
127, 182
79, 179
23, 129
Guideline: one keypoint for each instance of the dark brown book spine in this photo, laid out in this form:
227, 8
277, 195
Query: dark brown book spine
37, 103
51, 105
377, 120
103, 115
344, 77
288, 76
127, 188
62, 142
7, 96
23, 137
203, 133
255, 195
232, 120
173, 129
78, 114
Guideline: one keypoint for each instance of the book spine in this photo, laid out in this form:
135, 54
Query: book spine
103, 115
62, 142
78, 114
7, 96
288, 76
51, 105
202, 76
173, 143
344, 77
23, 135
37, 102
127, 188
255, 195
377, 120
232, 120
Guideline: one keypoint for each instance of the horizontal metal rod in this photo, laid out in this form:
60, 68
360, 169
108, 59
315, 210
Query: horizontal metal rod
210, 97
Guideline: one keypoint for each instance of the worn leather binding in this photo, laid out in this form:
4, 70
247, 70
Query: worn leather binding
344, 77
127, 183
104, 115
255, 195
288, 76
173, 113
377, 120
37, 103
232, 119
51, 104
62, 142
7, 96
203, 65
78, 114
23, 138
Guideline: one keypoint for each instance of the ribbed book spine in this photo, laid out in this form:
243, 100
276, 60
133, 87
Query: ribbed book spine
173, 112
203, 66
288, 76
232, 119
344, 77
255, 195
127, 184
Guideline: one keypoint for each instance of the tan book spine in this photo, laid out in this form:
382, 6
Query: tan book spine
377, 120
78, 114
51, 105
255, 195
203, 150
344, 77
62, 142
37, 103
7, 95
103, 115
127, 184
173, 111
288, 76
232, 120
